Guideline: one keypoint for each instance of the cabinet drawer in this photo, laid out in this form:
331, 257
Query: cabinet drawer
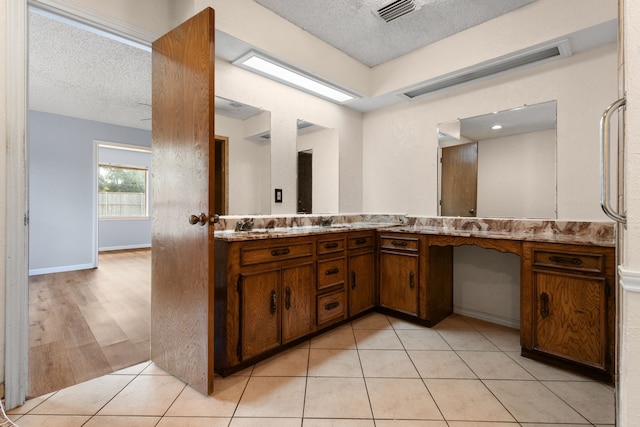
259, 255
399, 243
590, 263
331, 307
329, 246
362, 241
331, 272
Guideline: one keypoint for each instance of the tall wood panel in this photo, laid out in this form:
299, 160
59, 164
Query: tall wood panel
182, 253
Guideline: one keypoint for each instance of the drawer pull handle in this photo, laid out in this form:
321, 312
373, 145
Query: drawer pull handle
544, 305
274, 306
331, 271
565, 260
280, 252
412, 280
287, 299
330, 245
361, 241
331, 305
398, 243
353, 280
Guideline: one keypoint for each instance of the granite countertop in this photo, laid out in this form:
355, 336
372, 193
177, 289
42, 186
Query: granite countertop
276, 232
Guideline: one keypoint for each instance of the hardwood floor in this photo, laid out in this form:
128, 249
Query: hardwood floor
84, 324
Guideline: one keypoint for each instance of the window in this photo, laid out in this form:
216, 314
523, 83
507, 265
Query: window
122, 192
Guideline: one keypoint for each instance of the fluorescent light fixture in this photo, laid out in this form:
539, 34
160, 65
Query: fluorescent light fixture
496, 127
273, 69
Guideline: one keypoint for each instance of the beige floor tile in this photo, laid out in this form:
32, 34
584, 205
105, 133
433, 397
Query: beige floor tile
369, 339
265, 422
544, 372
483, 325
410, 423
560, 425
592, 400
454, 322
404, 324
29, 405
507, 340
422, 339
493, 365
122, 421
154, 369
334, 363
85, 398
222, 403
336, 422
53, 420
372, 321
337, 398
387, 364
133, 370
393, 398
338, 338
272, 397
466, 400
468, 340
291, 363
532, 402
483, 424
193, 422
440, 364
146, 395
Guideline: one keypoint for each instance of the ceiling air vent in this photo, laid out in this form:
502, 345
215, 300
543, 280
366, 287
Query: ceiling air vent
489, 68
396, 9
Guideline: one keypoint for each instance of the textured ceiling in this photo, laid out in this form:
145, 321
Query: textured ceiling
353, 27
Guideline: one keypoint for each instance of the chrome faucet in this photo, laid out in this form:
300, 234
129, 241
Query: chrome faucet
326, 222
244, 225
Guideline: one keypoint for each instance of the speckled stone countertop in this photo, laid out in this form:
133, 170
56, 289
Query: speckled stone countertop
554, 231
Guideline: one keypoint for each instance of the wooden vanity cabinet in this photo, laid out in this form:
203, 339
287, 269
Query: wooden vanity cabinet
264, 297
331, 302
361, 277
568, 306
399, 279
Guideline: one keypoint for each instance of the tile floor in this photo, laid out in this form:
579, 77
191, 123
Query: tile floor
376, 371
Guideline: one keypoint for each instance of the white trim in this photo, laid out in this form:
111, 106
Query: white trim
125, 248
487, 317
17, 231
123, 146
61, 269
629, 280
94, 209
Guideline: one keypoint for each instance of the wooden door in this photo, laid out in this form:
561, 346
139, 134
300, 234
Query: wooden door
399, 282
305, 182
361, 282
182, 254
459, 182
297, 292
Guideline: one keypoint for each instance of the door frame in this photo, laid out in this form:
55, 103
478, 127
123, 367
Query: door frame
17, 210
224, 142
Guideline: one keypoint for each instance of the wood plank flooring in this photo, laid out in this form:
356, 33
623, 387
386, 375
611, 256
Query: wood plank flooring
84, 324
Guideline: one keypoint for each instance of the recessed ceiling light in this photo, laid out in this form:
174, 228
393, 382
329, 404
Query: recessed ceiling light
496, 127
272, 68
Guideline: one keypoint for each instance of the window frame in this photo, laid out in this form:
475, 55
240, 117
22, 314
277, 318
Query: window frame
147, 194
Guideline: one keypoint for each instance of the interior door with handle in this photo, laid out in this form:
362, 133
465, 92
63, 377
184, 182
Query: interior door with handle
182, 186
459, 181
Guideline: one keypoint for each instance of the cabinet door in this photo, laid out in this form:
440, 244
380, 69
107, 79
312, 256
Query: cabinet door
361, 282
399, 282
298, 287
259, 313
570, 317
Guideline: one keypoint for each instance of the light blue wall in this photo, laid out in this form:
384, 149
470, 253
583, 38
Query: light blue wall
62, 223
115, 234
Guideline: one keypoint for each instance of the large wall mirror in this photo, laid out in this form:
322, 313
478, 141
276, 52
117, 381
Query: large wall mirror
317, 169
243, 158
499, 165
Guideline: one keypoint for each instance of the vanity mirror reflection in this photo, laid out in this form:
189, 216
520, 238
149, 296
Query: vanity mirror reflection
499, 165
317, 169
243, 158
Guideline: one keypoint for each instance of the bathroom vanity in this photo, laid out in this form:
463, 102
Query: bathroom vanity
278, 286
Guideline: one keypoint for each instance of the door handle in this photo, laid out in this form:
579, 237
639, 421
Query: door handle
353, 280
287, 299
605, 174
203, 219
274, 306
544, 305
412, 280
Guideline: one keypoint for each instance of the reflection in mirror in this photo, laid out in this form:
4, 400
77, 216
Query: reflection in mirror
243, 158
318, 169
515, 159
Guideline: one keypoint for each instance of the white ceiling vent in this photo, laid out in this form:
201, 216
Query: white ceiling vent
538, 55
396, 9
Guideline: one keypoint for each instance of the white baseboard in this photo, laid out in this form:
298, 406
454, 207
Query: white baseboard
487, 317
62, 269
629, 280
124, 248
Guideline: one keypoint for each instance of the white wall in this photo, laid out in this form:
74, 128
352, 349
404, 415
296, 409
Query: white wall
517, 176
325, 164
